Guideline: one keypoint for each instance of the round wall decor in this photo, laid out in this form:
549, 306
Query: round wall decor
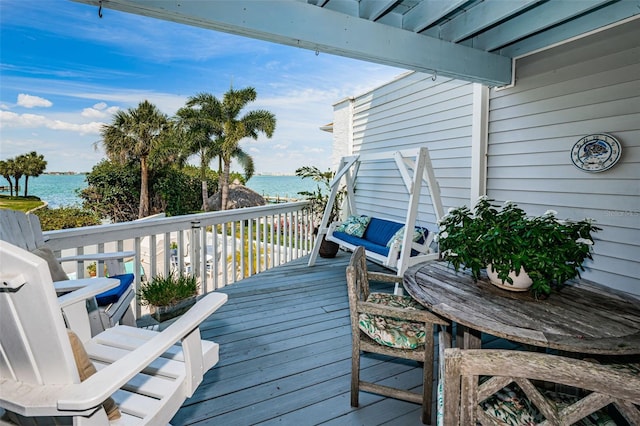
596, 153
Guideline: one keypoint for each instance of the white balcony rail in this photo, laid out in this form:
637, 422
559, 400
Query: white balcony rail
220, 247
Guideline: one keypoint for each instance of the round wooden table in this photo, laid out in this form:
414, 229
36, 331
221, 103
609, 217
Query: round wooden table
583, 317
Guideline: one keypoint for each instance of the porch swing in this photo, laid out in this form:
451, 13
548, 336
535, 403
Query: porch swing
385, 240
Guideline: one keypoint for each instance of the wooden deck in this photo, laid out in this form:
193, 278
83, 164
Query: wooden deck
285, 354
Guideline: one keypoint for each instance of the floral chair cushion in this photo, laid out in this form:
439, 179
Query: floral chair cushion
510, 406
418, 233
354, 225
391, 331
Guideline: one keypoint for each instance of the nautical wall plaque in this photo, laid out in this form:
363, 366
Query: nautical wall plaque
596, 153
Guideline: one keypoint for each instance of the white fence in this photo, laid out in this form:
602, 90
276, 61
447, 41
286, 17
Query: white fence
218, 247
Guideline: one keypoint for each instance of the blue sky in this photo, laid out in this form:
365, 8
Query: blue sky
64, 71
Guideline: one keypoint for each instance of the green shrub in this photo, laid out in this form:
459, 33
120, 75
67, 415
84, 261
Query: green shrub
168, 290
65, 218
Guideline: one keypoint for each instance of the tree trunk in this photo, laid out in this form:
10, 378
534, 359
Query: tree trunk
10, 186
17, 187
203, 178
205, 196
143, 211
26, 184
224, 185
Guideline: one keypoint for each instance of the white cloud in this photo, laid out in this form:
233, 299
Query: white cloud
99, 110
11, 119
280, 146
30, 101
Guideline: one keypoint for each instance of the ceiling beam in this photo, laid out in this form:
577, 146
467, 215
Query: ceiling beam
426, 13
544, 16
307, 26
480, 17
613, 14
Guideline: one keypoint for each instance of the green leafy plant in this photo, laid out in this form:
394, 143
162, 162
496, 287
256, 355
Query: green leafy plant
551, 251
65, 218
320, 197
168, 290
92, 269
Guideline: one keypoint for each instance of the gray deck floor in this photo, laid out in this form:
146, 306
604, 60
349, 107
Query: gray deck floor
285, 353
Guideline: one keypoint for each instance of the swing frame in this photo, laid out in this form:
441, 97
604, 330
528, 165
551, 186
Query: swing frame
415, 168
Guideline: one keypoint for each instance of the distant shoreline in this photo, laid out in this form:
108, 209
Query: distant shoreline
65, 173
61, 188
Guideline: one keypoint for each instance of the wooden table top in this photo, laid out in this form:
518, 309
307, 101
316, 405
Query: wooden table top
583, 317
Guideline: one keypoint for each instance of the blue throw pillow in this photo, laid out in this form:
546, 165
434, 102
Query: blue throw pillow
354, 225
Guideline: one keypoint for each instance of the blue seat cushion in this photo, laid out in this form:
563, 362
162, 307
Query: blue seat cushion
380, 231
112, 296
368, 245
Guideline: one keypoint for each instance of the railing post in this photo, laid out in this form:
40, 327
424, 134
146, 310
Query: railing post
194, 248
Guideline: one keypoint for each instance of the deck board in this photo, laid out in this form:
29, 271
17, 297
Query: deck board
285, 355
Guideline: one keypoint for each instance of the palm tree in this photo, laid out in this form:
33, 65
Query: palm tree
19, 167
200, 132
6, 170
234, 129
201, 121
35, 165
135, 134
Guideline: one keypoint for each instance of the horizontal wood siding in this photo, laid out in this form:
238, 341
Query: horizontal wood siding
588, 86
409, 112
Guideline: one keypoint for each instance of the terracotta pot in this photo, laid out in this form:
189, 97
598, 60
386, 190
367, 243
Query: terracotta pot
521, 282
328, 249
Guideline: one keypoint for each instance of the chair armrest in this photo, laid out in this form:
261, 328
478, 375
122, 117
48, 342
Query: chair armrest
105, 382
89, 290
98, 256
381, 276
332, 227
400, 313
72, 285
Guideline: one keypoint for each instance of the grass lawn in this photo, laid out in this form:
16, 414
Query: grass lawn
20, 203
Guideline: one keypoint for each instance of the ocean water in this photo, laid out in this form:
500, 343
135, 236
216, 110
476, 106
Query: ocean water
62, 190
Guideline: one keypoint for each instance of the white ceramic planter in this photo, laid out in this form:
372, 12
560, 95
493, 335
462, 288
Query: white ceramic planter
521, 282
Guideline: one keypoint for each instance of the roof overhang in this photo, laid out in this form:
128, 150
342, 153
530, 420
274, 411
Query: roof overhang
472, 40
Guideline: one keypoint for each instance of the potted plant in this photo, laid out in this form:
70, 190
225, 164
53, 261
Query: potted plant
169, 296
92, 269
509, 243
318, 203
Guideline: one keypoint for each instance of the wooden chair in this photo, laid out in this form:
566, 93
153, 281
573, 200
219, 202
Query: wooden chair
148, 374
378, 321
542, 390
108, 309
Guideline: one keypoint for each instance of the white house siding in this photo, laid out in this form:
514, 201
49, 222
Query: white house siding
409, 112
589, 86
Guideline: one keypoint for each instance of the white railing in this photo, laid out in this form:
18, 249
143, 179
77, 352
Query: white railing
218, 247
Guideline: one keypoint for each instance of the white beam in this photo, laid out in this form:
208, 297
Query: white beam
479, 140
304, 25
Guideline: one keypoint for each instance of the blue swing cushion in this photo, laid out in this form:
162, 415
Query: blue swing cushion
112, 296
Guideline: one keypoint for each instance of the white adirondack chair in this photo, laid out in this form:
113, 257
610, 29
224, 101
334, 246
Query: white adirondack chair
24, 231
149, 374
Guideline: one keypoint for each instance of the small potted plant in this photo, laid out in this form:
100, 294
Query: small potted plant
169, 296
173, 246
508, 243
92, 269
318, 203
